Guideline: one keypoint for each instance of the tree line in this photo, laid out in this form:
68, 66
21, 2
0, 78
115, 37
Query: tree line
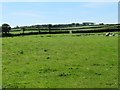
59, 28
51, 25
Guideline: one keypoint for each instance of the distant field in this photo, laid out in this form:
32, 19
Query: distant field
60, 61
93, 28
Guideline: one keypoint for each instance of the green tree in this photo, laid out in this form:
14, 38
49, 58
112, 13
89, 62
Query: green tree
23, 29
49, 27
38, 28
73, 24
77, 24
5, 28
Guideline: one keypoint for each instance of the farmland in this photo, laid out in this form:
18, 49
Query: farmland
66, 29
60, 61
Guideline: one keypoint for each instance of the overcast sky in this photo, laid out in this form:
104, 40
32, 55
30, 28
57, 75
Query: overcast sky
31, 13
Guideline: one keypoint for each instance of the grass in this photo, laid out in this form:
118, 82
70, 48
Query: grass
60, 61
73, 28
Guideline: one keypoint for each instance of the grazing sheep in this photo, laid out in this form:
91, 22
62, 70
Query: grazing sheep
113, 34
110, 34
107, 34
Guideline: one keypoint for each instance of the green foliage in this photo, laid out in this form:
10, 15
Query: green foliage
75, 28
60, 61
5, 28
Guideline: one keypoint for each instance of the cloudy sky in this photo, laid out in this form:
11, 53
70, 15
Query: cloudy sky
31, 13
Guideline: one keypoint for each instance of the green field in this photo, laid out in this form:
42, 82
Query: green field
60, 61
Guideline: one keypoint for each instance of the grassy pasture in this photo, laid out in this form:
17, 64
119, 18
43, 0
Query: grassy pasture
73, 28
60, 61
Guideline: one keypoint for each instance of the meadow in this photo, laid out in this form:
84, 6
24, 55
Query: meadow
60, 61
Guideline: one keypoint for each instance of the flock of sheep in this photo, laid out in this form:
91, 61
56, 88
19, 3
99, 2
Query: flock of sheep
110, 34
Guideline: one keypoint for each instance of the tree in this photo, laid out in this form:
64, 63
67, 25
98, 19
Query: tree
5, 28
38, 28
73, 24
49, 27
17, 27
23, 29
101, 23
77, 24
